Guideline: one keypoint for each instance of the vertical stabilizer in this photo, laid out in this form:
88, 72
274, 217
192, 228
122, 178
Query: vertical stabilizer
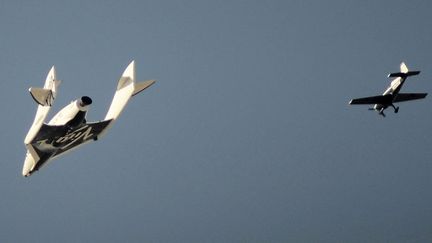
403, 68
51, 81
125, 89
50, 90
127, 77
130, 70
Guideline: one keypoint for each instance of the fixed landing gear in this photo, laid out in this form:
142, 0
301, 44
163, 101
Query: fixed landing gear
380, 111
396, 109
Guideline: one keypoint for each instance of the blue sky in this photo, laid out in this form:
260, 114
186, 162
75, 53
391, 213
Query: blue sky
247, 135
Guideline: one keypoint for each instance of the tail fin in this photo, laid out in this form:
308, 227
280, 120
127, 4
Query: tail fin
126, 88
403, 68
44, 97
404, 72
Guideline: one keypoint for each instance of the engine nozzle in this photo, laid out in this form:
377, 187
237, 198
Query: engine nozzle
85, 101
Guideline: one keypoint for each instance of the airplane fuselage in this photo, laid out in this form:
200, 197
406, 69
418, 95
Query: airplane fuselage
392, 91
72, 114
69, 127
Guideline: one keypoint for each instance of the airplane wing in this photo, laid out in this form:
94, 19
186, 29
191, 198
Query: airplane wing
52, 141
401, 97
57, 140
379, 99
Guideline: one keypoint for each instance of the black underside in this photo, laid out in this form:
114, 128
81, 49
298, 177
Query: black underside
52, 141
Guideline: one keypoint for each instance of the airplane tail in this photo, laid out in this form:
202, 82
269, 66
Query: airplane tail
126, 88
44, 97
404, 72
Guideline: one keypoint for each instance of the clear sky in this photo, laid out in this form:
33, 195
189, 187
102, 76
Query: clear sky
246, 137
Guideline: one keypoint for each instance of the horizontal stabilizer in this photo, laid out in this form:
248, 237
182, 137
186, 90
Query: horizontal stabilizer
142, 86
409, 96
43, 97
403, 75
